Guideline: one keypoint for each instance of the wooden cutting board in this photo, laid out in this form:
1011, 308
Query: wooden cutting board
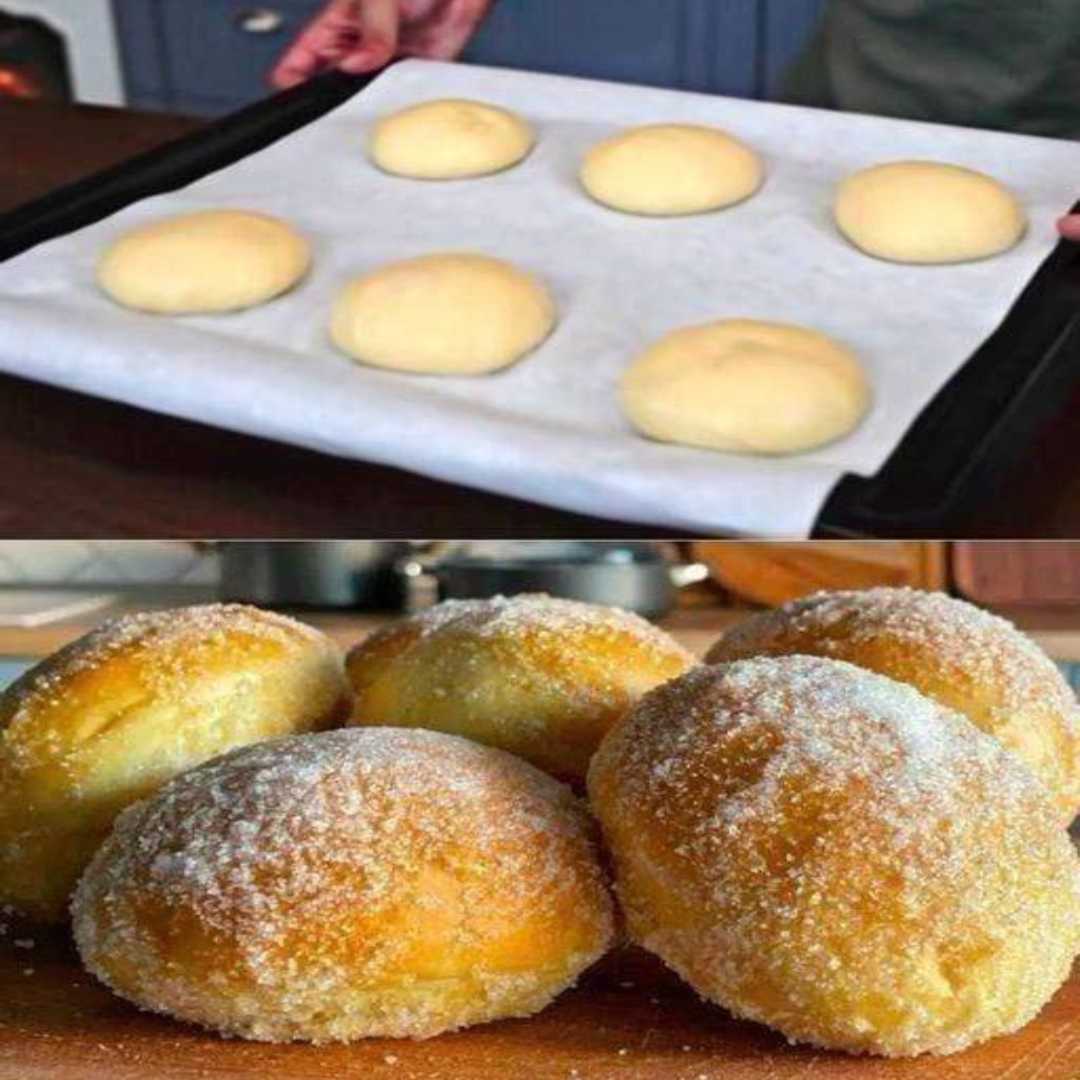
628, 1020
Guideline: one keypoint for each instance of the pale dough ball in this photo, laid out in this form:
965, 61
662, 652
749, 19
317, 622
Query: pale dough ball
450, 139
927, 212
671, 169
443, 314
204, 262
746, 387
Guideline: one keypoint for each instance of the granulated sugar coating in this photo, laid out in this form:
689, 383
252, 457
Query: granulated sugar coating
827, 851
955, 653
107, 719
541, 677
345, 884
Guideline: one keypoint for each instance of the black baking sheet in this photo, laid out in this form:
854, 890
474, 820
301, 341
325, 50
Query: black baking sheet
984, 418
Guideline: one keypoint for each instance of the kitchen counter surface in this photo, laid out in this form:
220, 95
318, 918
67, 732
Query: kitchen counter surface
1057, 630
72, 465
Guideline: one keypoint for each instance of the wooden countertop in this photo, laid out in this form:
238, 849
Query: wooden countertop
72, 465
1057, 630
697, 629
629, 1019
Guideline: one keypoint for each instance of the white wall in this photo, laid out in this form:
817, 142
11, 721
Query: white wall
111, 562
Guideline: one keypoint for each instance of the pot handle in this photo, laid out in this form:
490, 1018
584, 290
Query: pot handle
419, 579
683, 574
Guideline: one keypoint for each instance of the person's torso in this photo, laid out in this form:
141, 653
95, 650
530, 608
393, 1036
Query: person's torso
1010, 64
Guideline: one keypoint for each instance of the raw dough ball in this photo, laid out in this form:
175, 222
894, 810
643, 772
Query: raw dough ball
962, 657
926, 212
670, 169
541, 677
447, 314
347, 884
824, 850
746, 387
109, 718
450, 140
209, 261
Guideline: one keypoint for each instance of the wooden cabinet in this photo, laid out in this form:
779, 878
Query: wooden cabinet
1002, 573
211, 56
762, 572
994, 574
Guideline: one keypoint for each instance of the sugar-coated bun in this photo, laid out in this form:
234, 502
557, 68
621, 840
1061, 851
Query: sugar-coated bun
444, 314
450, 139
328, 887
204, 262
541, 677
671, 169
950, 650
928, 212
824, 850
746, 387
109, 718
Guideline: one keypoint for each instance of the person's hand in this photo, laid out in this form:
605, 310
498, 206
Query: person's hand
362, 35
1069, 227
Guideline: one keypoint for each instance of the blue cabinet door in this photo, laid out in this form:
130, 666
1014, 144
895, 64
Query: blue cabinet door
221, 52
708, 45
786, 26
208, 56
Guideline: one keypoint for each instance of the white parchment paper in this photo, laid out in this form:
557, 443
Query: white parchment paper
550, 429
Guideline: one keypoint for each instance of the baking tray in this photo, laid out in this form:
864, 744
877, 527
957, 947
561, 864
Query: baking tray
983, 419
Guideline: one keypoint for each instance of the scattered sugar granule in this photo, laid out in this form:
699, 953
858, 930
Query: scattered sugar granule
626, 985
28, 971
23, 943
623, 1051
391, 1059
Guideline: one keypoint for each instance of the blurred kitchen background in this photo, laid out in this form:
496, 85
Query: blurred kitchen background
209, 57
53, 591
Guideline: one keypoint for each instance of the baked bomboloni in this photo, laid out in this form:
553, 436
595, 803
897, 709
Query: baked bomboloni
327, 887
541, 677
827, 851
107, 719
950, 650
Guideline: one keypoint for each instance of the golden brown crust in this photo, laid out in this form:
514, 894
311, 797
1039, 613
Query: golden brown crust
962, 657
827, 851
107, 719
541, 677
328, 887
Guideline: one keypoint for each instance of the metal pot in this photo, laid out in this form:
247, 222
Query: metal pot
312, 573
635, 576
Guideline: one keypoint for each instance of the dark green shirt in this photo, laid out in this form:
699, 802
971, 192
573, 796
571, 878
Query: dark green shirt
1009, 64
